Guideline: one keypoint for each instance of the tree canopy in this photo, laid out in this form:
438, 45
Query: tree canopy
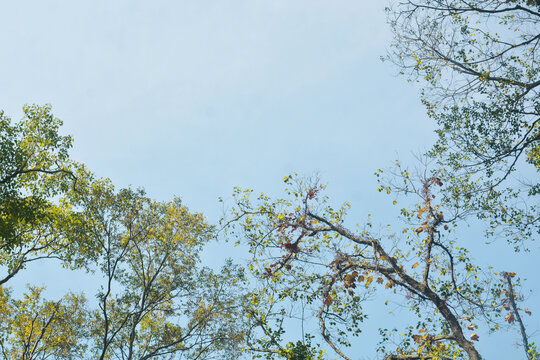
311, 271
307, 258
477, 64
39, 188
34, 168
156, 301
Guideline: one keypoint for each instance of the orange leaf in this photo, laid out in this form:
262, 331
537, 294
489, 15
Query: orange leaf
415, 265
509, 318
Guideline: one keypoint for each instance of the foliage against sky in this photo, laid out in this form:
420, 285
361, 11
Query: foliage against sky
478, 64
299, 75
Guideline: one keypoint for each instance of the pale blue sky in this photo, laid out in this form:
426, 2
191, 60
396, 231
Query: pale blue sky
191, 98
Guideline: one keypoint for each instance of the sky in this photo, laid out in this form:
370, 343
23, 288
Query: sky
192, 98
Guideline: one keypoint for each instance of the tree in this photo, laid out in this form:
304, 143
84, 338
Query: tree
34, 328
478, 65
305, 257
156, 303
39, 185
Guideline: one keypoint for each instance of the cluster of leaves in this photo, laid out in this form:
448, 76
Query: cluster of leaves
32, 328
38, 187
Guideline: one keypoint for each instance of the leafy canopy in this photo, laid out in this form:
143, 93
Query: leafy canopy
478, 65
